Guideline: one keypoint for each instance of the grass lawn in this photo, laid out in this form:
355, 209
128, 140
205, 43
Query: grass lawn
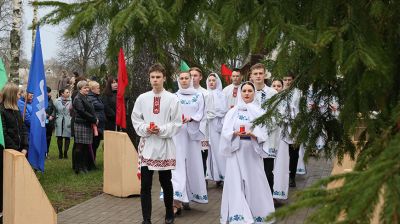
63, 187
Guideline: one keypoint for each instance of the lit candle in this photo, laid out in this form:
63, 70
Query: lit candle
242, 129
152, 125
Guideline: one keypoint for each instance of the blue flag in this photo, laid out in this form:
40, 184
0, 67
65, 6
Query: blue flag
37, 86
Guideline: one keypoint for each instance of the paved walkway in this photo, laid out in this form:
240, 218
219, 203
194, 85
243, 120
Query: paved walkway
106, 209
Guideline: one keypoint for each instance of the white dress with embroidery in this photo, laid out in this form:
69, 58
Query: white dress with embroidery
216, 108
246, 197
203, 124
157, 152
188, 178
288, 109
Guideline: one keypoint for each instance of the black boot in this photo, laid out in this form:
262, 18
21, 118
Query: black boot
66, 147
169, 220
186, 206
292, 182
146, 222
59, 145
60, 154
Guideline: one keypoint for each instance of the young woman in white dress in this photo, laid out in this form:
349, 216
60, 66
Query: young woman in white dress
188, 177
216, 108
246, 197
281, 168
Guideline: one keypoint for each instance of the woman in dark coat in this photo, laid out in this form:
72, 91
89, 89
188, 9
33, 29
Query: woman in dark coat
74, 91
50, 119
84, 119
14, 130
110, 102
96, 101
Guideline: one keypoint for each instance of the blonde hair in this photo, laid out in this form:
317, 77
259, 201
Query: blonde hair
196, 69
10, 96
93, 84
257, 66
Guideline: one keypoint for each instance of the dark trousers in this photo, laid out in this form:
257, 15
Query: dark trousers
164, 176
83, 160
294, 157
49, 133
60, 145
73, 157
269, 168
96, 144
204, 155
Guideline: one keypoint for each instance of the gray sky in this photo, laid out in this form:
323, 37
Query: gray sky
49, 34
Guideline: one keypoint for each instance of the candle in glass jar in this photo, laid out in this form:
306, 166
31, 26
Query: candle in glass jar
152, 125
242, 128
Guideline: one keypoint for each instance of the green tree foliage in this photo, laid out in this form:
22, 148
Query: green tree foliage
345, 50
170, 29
348, 51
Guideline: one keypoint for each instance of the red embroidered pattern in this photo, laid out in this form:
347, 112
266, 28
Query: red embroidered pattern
158, 163
156, 104
235, 90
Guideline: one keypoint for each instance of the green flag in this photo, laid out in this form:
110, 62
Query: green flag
184, 67
3, 81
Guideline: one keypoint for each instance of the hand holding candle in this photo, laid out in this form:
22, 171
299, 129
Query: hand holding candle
153, 128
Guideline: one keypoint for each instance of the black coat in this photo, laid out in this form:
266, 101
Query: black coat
99, 110
15, 133
50, 111
110, 104
83, 110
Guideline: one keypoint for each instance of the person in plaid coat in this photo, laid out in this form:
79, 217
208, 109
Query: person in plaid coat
85, 120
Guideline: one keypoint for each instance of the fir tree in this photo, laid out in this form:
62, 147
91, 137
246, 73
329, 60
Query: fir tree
349, 51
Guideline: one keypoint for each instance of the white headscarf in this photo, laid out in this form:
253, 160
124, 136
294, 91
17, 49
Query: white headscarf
228, 143
190, 90
216, 103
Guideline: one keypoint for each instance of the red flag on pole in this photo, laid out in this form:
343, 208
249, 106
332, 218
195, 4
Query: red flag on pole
226, 72
122, 83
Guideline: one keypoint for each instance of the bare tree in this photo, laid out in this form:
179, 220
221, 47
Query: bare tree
86, 50
5, 28
15, 39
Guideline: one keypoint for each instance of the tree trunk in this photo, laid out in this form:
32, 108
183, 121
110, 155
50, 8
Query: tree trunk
34, 24
138, 83
15, 40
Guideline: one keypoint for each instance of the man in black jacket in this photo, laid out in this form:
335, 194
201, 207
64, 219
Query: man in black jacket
50, 118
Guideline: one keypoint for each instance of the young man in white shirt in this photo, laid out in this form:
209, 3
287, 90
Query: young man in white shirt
293, 149
156, 117
197, 76
264, 93
231, 91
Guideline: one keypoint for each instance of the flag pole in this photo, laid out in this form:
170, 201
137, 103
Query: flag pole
26, 102
34, 24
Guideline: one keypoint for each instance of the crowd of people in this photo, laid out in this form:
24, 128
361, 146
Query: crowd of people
83, 116
80, 111
192, 137
199, 136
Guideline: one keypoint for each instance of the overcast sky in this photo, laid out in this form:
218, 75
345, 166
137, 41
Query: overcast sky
49, 34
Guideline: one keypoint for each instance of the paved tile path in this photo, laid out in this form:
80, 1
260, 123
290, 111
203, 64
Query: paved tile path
106, 209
